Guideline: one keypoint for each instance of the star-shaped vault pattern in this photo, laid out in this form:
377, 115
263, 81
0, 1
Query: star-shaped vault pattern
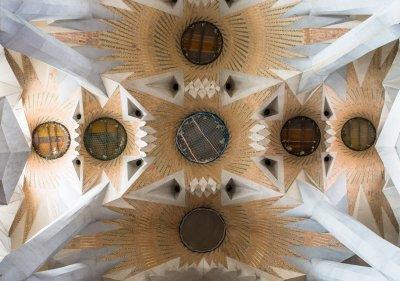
256, 40
257, 235
312, 108
286, 215
93, 168
237, 159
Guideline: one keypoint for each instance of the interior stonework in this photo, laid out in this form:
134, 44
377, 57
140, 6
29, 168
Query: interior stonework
199, 140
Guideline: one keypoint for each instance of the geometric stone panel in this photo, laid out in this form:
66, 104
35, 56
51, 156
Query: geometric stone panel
14, 151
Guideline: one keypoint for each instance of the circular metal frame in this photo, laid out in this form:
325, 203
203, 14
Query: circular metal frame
219, 43
38, 150
179, 135
111, 157
370, 126
286, 126
188, 215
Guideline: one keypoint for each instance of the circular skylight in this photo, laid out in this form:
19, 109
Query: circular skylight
202, 230
358, 134
300, 136
105, 139
202, 137
201, 43
51, 140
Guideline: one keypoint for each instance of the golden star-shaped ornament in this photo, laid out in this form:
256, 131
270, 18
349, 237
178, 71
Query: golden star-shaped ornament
93, 168
256, 234
364, 169
292, 164
237, 159
255, 40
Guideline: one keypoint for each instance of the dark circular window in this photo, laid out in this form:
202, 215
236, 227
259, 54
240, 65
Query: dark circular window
358, 134
202, 137
202, 230
105, 139
51, 140
201, 42
300, 136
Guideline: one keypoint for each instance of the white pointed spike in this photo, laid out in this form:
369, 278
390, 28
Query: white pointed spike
163, 191
291, 77
169, 7
311, 197
337, 193
244, 190
120, 4
243, 85
9, 84
161, 86
236, 6
363, 212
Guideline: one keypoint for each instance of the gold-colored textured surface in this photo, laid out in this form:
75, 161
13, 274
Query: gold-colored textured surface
237, 157
255, 40
364, 169
323, 34
311, 164
42, 177
93, 167
256, 235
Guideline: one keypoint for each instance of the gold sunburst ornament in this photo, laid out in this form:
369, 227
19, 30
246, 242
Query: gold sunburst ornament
201, 42
49, 171
355, 127
202, 138
108, 136
297, 136
254, 233
51, 124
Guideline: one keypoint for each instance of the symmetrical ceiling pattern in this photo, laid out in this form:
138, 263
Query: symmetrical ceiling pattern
199, 140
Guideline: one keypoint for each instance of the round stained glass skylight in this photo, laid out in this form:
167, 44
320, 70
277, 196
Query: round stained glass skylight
51, 140
202, 230
105, 139
202, 137
300, 136
201, 43
358, 134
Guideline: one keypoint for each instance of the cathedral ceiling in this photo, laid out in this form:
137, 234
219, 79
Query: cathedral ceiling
200, 122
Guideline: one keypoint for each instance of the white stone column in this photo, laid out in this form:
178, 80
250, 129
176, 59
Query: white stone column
324, 270
380, 29
73, 272
377, 252
337, 7
23, 262
84, 271
18, 34
57, 9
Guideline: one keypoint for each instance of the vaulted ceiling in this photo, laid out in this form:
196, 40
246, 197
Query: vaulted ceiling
199, 140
